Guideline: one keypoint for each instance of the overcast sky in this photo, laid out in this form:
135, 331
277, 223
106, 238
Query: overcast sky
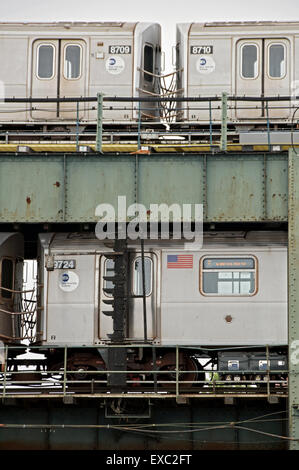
165, 12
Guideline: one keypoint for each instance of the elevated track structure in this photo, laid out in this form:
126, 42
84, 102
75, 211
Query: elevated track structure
53, 180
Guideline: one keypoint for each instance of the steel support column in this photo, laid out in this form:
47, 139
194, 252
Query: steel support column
293, 298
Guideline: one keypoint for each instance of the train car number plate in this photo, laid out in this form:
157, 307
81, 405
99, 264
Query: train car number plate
64, 264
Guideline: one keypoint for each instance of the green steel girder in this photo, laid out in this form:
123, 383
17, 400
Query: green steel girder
83, 426
247, 187
293, 299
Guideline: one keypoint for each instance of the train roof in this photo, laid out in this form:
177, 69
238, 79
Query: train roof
236, 26
106, 26
87, 241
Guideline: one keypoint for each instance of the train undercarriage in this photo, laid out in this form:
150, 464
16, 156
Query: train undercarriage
149, 370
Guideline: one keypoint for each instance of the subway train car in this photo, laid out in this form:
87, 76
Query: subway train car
230, 292
11, 283
242, 59
77, 59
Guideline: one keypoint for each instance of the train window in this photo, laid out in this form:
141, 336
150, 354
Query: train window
137, 276
228, 276
7, 272
108, 271
45, 61
249, 62
277, 60
72, 61
148, 62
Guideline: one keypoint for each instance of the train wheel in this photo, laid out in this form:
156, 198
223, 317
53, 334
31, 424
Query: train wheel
187, 374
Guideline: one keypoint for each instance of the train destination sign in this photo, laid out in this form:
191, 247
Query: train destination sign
228, 263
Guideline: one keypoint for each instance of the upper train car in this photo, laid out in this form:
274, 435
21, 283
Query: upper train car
243, 59
68, 59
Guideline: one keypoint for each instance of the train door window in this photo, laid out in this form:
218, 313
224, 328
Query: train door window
228, 276
148, 63
108, 271
7, 274
277, 61
45, 61
137, 276
249, 62
72, 61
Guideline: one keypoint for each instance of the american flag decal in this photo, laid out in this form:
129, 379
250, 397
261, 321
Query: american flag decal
179, 261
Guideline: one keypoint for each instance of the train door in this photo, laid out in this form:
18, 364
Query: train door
277, 75
72, 76
249, 77
45, 78
57, 71
262, 69
135, 320
136, 328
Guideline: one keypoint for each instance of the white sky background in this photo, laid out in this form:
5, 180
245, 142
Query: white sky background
165, 12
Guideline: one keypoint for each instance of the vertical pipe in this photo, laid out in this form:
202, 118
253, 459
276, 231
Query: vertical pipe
265, 209
268, 126
64, 369
136, 178
268, 371
177, 371
143, 290
139, 125
211, 125
5, 369
99, 123
64, 188
155, 368
77, 127
223, 144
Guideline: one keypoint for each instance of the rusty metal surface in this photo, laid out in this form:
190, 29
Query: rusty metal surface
236, 187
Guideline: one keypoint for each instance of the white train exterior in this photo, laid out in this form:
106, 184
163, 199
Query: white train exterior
53, 60
241, 59
232, 291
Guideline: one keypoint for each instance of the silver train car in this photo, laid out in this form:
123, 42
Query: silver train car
76, 59
240, 58
230, 292
11, 286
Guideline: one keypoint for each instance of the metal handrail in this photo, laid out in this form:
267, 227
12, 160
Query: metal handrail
215, 386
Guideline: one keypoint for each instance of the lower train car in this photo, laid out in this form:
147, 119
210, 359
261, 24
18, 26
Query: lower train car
230, 292
77, 59
252, 59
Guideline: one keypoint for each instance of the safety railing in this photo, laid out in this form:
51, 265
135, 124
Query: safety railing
169, 117
35, 374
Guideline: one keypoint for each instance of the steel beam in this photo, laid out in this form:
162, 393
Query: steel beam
67, 188
293, 299
250, 424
